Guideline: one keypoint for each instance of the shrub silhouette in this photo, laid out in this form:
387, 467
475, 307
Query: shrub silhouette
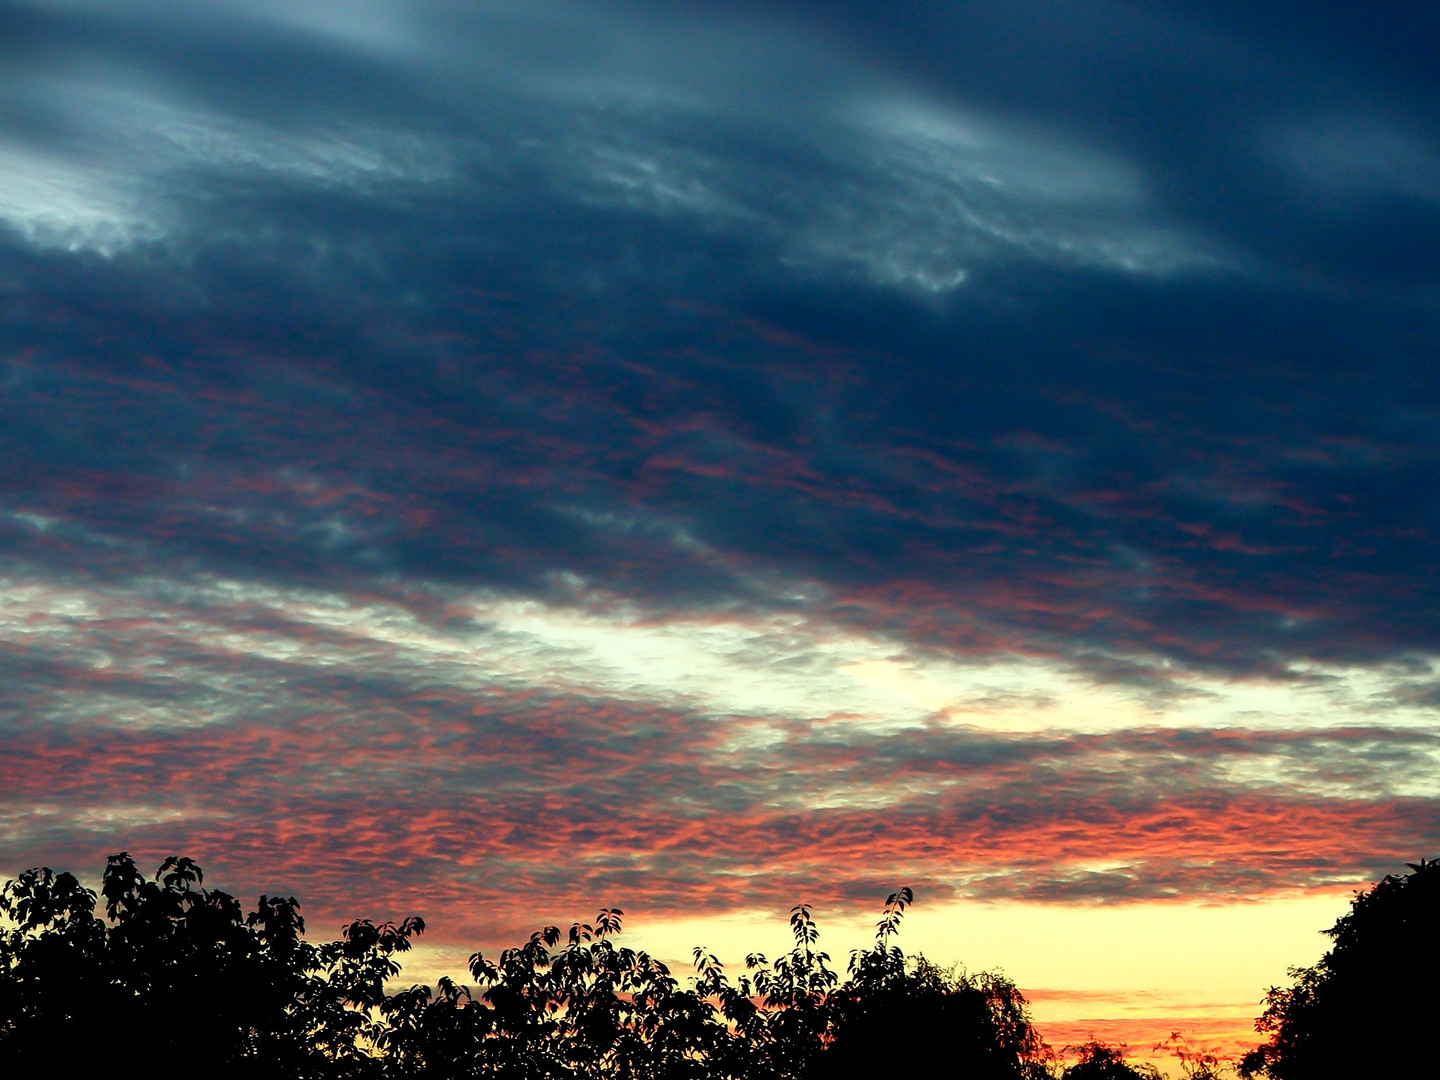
1371, 995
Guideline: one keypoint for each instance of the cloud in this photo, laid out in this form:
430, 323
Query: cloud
307, 739
665, 119
594, 451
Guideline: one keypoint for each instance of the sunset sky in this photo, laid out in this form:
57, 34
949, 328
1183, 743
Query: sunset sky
495, 460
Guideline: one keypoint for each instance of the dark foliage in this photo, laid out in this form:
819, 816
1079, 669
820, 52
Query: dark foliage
177, 976
183, 978
1365, 1007
1100, 1062
974, 1025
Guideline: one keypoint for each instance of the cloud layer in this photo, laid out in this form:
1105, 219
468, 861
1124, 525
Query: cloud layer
452, 452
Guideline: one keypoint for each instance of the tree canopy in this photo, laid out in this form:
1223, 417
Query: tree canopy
180, 975
1365, 1007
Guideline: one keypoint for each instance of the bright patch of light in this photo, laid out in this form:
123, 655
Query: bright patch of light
58, 203
788, 667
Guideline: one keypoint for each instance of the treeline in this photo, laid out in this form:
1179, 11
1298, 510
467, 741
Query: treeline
177, 976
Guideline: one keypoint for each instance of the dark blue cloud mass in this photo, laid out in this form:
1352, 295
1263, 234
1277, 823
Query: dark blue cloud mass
724, 420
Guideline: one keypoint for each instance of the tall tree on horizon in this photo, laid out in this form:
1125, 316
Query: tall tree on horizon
1369, 1002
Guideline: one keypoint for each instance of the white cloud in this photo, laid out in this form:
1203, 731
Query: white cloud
56, 202
793, 667
137, 151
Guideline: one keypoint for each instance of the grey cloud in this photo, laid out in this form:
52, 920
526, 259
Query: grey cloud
979, 337
909, 193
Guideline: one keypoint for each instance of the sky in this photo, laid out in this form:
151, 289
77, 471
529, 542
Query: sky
498, 460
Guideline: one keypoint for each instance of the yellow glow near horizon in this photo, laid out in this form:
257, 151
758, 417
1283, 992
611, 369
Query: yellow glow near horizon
1126, 973
1215, 953
1108, 961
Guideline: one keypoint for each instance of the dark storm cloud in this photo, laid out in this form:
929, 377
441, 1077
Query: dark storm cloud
1088, 337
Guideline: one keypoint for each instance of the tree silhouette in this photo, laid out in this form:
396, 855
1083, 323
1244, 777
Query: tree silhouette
182, 977
969, 1025
176, 976
48, 957
1196, 1063
1097, 1061
1363, 1008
